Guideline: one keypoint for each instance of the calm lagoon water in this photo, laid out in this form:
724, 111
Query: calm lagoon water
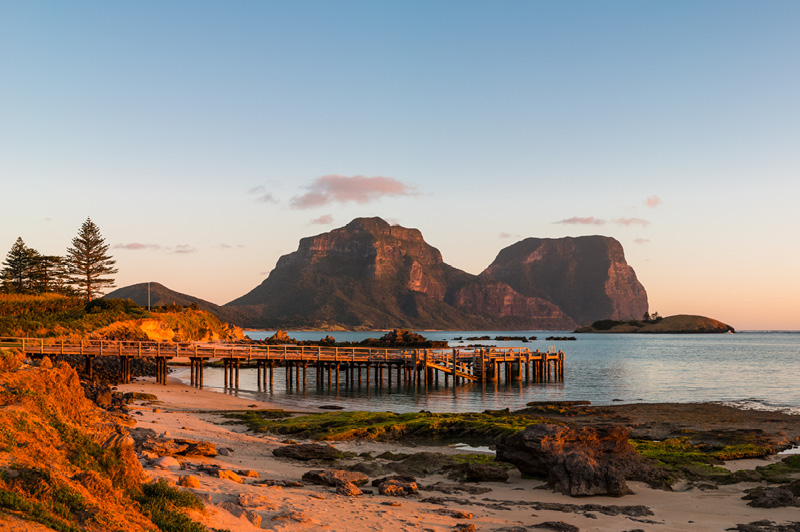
749, 369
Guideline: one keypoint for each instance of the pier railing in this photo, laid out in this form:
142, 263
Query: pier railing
412, 365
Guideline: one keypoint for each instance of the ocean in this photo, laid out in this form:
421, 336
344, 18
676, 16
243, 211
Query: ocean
747, 369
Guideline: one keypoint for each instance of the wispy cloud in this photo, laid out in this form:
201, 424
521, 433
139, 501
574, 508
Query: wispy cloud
578, 220
631, 221
343, 189
230, 246
642, 240
325, 219
184, 249
653, 201
508, 235
262, 195
137, 246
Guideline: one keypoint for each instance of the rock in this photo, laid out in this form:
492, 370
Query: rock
291, 515
249, 473
450, 489
396, 486
224, 451
465, 527
196, 448
334, 477
237, 511
766, 525
308, 451
104, 399
250, 500
189, 481
578, 461
458, 514
771, 497
480, 473
559, 526
167, 462
348, 489
229, 475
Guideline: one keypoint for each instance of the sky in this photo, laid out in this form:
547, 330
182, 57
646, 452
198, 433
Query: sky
206, 138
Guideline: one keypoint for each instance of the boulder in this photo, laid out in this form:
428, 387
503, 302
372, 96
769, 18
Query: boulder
189, 481
229, 475
396, 486
334, 477
196, 448
348, 489
167, 462
578, 461
308, 451
771, 497
480, 473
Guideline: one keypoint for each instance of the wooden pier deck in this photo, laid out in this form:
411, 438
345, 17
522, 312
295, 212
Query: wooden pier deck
331, 364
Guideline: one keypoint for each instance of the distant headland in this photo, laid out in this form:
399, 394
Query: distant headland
678, 324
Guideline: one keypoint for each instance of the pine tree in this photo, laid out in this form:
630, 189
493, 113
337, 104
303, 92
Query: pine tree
18, 266
88, 261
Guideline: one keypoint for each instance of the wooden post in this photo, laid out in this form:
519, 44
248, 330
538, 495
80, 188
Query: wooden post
237, 373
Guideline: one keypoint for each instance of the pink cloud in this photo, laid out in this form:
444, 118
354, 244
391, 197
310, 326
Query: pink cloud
588, 220
325, 219
342, 189
631, 221
642, 240
653, 201
136, 246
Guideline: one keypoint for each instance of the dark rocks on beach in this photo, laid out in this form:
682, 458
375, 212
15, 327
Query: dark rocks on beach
480, 473
396, 486
774, 497
578, 461
334, 477
196, 447
766, 525
558, 526
450, 489
308, 451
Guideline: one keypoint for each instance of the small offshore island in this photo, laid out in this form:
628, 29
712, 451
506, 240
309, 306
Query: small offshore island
678, 324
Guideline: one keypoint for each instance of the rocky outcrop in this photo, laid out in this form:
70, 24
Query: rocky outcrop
371, 275
498, 300
679, 324
587, 277
578, 461
307, 451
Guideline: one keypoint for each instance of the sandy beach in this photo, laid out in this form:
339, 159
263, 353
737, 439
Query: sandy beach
186, 412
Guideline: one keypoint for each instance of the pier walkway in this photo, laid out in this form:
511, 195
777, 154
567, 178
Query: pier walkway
331, 364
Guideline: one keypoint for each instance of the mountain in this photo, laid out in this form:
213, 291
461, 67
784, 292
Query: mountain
158, 295
370, 274
587, 277
373, 275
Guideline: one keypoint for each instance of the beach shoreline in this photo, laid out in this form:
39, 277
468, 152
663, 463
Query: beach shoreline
183, 411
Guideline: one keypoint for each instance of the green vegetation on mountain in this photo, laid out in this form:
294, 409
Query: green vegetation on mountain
56, 315
678, 324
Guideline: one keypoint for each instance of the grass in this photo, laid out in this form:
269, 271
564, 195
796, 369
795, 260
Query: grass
337, 426
164, 505
679, 452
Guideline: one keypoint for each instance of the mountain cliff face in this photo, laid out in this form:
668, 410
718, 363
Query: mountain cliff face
367, 274
372, 275
587, 277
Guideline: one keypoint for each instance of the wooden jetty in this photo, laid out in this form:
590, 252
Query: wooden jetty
422, 367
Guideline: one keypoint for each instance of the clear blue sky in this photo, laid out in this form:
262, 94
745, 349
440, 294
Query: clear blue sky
198, 135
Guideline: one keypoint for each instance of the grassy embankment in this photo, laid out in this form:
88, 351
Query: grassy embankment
54, 315
65, 464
